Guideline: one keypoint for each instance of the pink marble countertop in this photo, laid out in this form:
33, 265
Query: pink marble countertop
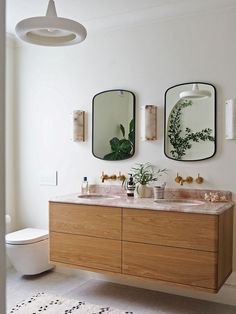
213, 208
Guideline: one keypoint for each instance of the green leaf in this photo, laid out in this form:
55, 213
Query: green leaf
131, 126
122, 148
115, 143
116, 156
124, 155
111, 156
131, 137
145, 173
122, 130
125, 146
181, 139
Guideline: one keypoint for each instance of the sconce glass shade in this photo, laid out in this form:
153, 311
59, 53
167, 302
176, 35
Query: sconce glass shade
51, 30
230, 119
195, 93
149, 123
79, 126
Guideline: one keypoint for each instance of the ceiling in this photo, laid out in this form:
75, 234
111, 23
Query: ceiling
97, 14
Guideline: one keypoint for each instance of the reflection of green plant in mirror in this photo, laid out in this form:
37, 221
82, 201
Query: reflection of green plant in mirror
122, 148
181, 141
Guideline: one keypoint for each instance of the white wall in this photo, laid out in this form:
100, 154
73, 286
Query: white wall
2, 157
146, 59
11, 145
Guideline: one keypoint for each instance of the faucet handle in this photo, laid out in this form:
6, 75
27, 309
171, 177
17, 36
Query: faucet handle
199, 179
178, 178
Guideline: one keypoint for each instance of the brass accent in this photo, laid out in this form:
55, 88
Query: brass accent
121, 177
199, 179
181, 180
189, 179
178, 178
114, 177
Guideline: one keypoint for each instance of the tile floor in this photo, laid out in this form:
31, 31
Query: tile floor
140, 301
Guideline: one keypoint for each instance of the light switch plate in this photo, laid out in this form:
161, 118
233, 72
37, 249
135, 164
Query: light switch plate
49, 178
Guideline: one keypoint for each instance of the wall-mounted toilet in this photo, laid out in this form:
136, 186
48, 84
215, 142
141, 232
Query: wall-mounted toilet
27, 250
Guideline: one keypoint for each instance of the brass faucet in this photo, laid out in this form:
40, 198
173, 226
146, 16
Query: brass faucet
181, 180
106, 177
114, 177
188, 180
121, 177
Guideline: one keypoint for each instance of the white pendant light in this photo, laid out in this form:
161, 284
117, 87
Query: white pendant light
195, 93
51, 30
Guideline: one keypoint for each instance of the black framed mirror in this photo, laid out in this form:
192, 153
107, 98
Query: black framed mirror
113, 125
190, 121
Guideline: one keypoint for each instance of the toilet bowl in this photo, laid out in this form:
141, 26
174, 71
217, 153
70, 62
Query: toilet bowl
27, 250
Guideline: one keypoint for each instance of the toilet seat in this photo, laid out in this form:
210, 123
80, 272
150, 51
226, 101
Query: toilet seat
26, 236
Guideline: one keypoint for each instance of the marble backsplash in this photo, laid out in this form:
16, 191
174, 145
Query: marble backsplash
170, 193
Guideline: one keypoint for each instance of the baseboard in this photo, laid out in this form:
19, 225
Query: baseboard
231, 281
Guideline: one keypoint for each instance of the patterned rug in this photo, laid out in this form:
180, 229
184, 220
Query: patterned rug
51, 304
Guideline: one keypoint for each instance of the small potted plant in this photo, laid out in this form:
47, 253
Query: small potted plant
144, 174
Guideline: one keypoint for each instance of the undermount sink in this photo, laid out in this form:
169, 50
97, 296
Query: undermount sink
97, 196
181, 202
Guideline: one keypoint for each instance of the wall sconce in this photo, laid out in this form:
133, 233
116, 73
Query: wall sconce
149, 123
230, 119
78, 126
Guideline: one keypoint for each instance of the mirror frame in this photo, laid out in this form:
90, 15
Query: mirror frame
215, 122
134, 117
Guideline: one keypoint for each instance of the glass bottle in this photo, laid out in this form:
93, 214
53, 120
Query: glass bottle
84, 186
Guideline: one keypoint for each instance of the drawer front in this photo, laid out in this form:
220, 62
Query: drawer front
97, 221
89, 252
186, 230
177, 265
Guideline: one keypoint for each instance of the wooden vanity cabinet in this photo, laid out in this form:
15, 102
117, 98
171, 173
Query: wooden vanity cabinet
95, 221
85, 236
183, 248
192, 250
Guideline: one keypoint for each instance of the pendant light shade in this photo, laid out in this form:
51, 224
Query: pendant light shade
195, 93
51, 30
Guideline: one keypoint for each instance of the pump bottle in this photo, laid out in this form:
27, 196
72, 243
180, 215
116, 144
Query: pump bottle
84, 186
130, 186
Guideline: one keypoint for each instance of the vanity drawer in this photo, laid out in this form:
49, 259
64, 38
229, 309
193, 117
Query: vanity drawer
176, 265
88, 252
97, 221
186, 230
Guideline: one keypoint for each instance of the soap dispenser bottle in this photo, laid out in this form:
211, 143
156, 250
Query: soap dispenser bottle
130, 186
84, 186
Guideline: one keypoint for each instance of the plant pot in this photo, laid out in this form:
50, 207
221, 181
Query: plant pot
144, 191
